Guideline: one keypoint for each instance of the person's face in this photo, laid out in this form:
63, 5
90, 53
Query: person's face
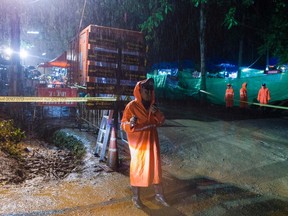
146, 94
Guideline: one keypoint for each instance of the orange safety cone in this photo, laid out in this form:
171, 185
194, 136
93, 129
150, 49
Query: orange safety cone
112, 160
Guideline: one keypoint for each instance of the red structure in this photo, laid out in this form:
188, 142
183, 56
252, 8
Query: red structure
105, 53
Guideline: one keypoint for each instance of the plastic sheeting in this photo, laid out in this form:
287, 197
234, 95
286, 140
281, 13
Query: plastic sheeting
186, 86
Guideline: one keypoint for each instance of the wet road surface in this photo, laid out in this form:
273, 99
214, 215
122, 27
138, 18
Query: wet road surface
212, 167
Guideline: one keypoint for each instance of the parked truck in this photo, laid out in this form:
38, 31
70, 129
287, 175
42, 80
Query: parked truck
105, 60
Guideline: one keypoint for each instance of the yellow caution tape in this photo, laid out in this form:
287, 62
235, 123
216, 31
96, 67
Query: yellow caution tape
256, 104
18, 99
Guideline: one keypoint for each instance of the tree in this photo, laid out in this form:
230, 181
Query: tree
202, 42
154, 15
276, 36
170, 26
241, 15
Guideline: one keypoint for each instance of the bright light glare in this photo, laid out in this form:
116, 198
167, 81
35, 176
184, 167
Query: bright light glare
245, 69
32, 32
8, 51
23, 54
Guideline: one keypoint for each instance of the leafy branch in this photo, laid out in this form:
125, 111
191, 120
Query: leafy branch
156, 19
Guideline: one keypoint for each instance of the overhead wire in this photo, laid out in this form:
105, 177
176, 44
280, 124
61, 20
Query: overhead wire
82, 15
254, 61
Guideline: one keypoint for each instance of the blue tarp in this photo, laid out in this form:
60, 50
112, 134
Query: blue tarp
171, 68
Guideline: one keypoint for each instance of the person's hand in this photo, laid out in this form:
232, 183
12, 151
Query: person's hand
153, 108
133, 121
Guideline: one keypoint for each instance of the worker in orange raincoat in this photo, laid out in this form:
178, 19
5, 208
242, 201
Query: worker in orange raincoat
263, 96
140, 120
243, 96
229, 96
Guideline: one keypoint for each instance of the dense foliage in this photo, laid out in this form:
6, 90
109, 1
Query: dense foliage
10, 136
64, 141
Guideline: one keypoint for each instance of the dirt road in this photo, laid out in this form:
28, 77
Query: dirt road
213, 165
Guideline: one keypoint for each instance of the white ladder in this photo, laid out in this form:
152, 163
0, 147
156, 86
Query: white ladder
103, 135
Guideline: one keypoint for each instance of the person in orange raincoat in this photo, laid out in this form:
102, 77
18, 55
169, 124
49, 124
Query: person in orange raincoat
229, 96
140, 120
243, 96
263, 95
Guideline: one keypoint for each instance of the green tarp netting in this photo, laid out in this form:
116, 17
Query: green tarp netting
186, 86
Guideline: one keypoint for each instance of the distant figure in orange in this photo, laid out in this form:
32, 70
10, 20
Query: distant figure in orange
140, 120
243, 96
229, 96
263, 96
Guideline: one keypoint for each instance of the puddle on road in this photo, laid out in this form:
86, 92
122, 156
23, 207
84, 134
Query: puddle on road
58, 196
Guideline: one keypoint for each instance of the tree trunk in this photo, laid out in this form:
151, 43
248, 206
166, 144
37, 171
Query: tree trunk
202, 43
240, 57
15, 45
241, 44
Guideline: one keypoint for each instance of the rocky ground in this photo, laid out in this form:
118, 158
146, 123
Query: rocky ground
214, 162
39, 161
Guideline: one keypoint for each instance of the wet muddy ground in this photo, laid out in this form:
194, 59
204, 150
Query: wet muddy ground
215, 163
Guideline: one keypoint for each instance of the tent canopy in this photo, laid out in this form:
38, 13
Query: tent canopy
60, 61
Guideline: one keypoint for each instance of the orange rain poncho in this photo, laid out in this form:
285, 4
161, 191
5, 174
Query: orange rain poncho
145, 165
243, 96
229, 97
263, 95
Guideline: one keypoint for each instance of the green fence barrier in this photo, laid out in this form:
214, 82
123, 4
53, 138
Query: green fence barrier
186, 86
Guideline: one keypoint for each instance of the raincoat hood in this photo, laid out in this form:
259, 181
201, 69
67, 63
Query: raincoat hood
137, 93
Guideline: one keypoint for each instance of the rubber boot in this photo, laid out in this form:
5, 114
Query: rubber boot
136, 197
159, 197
